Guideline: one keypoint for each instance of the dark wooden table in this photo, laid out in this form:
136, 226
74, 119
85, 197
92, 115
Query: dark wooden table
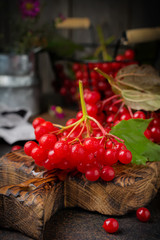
78, 224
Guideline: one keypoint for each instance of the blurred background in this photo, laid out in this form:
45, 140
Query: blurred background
33, 43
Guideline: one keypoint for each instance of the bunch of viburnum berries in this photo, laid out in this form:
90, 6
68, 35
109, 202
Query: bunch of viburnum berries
83, 145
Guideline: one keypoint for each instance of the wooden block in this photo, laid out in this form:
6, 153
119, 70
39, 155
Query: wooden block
28, 205
133, 187
29, 195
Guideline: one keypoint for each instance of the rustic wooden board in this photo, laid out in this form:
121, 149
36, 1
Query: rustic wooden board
134, 186
29, 195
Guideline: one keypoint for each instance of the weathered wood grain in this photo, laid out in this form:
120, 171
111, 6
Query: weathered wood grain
29, 195
16, 167
134, 186
27, 206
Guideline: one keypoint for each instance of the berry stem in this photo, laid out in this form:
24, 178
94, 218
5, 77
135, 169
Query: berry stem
98, 124
81, 130
69, 126
108, 100
122, 105
83, 105
110, 79
130, 111
73, 129
116, 102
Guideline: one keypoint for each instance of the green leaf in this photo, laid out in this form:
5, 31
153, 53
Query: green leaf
132, 132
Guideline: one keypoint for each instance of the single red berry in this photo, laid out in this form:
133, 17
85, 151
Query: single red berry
155, 123
110, 157
47, 141
113, 109
147, 133
49, 165
71, 121
92, 97
16, 147
92, 174
123, 110
40, 131
37, 121
92, 109
49, 126
79, 115
155, 134
111, 225
91, 144
106, 67
120, 57
107, 173
61, 149
143, 214
77, 154
125, 116
129, 54
53, 158
76, 67
139, 114
39, 155
125, 156
28, 146
109, 144
79, 75
110, 118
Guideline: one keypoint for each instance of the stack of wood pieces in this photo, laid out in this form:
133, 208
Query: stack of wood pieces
29, 195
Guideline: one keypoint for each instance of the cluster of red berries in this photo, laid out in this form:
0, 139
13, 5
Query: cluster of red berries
153, 130
91, 79
111, 114
89, 155
111, 225
97, 82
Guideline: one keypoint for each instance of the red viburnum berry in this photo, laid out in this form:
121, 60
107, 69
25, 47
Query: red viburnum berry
28, 146
111, 225
92, 174
39, 155
47, 141
143, 214
110, 157
125, 156
107, 173
16, 147
37, 121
